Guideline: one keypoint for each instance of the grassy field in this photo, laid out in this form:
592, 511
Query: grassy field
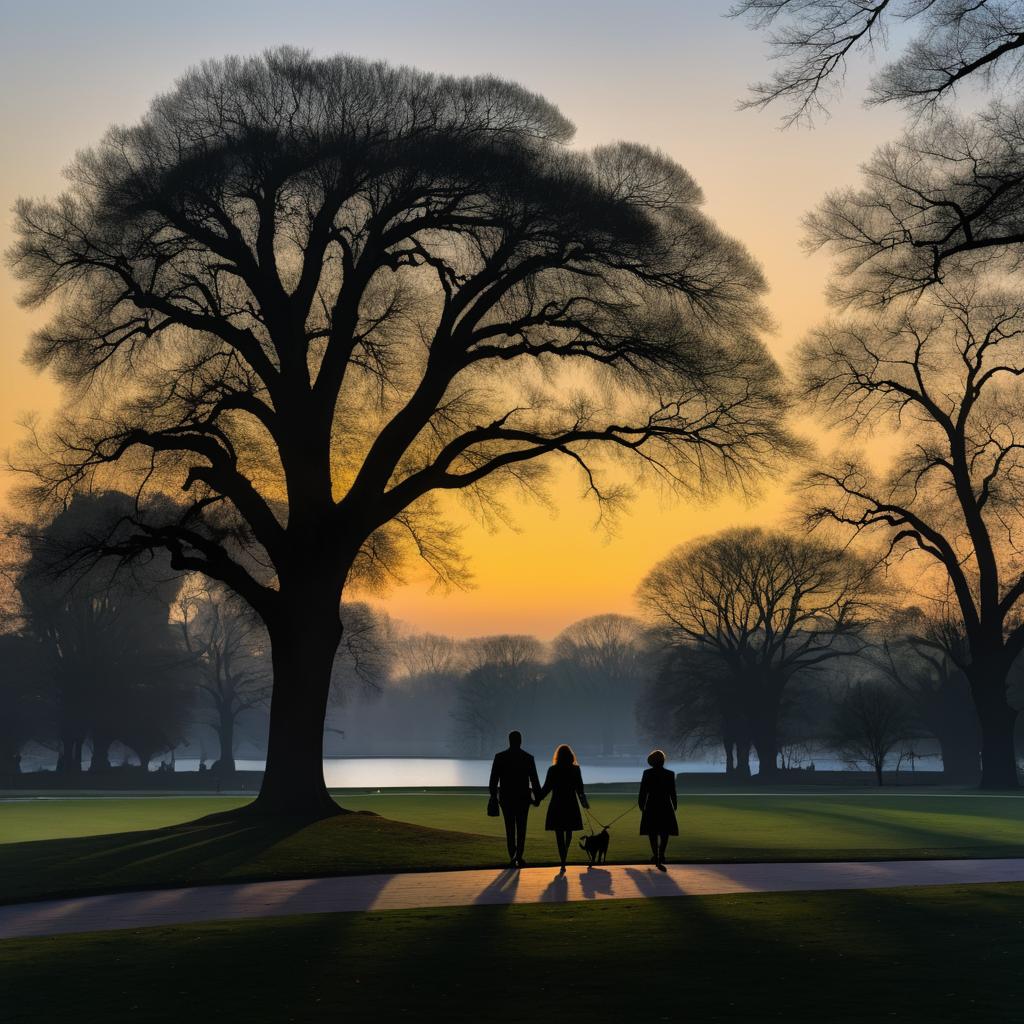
57, 847
936, 955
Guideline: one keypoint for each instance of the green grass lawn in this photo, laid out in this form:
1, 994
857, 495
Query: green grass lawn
58, 847
758, 826
936, 955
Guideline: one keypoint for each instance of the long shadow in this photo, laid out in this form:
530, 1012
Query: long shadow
502, 890
556, 891
191, 853
929, 837
653, 883
595, 882
210, 851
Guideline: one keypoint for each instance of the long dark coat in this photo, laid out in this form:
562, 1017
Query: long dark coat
514, 778
658, 803
565, 784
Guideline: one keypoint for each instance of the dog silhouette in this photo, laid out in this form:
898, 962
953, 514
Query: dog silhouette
596, 846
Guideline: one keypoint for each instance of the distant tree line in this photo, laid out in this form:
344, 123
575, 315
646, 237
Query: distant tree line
757, 647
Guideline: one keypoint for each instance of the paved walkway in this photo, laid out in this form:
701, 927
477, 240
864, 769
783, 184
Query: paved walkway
469, 888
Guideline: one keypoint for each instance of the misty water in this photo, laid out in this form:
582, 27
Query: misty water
422, 772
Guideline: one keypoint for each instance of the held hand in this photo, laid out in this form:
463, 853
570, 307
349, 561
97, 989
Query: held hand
585, 802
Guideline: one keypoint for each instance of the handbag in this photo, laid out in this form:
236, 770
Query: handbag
492, 807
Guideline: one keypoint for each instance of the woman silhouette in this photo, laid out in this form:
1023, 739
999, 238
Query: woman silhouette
657, 801
564, 782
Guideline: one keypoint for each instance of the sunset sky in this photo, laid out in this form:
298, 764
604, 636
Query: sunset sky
665, 74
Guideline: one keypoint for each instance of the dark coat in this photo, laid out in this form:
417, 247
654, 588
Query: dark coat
565, 784
514, 778
658, 802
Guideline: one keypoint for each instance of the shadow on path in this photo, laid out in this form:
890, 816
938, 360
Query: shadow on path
502, 889
596, 882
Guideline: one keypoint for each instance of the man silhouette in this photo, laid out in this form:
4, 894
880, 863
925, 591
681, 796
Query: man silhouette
514, 784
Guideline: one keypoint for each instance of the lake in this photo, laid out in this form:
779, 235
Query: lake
420, 772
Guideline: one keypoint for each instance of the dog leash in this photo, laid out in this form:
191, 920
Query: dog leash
595, 822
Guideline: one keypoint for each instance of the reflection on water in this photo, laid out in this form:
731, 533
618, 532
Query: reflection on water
416, 772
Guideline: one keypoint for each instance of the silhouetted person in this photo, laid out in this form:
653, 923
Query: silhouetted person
564, 782
658, 803
515, 785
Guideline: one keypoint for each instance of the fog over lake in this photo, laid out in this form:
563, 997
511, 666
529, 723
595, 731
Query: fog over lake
417, 772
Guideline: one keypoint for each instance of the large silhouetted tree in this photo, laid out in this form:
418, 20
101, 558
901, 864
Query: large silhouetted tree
944, 375
768, 606
304, 294
946, 199
814, 40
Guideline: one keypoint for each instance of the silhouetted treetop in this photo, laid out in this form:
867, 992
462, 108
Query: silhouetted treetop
947, 198
814, 40
763, 597
310, 293
362, 247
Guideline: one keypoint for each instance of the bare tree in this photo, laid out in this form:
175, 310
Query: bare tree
944, 375
499, 690
815, 39
870, 721
231, 652
946, 200
428, 654
695, 700
601, 658
921, 655
337, 287
767, 605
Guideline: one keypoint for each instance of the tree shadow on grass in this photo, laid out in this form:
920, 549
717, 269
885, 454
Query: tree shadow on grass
209, 851
186, 854
921, 837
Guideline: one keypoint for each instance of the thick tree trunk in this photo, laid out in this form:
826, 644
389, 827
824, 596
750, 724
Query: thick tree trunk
998, 752
878, 772
743, 759
766, 744
226, 736
100, 759
730, 765
69, 760
764, 723
304, 643
997, 720
961, 760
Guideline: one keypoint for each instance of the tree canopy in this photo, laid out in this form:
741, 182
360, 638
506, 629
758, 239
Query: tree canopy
338, 287
944, 202
814, 40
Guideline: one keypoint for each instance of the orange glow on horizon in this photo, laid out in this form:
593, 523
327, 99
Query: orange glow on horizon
666, 75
